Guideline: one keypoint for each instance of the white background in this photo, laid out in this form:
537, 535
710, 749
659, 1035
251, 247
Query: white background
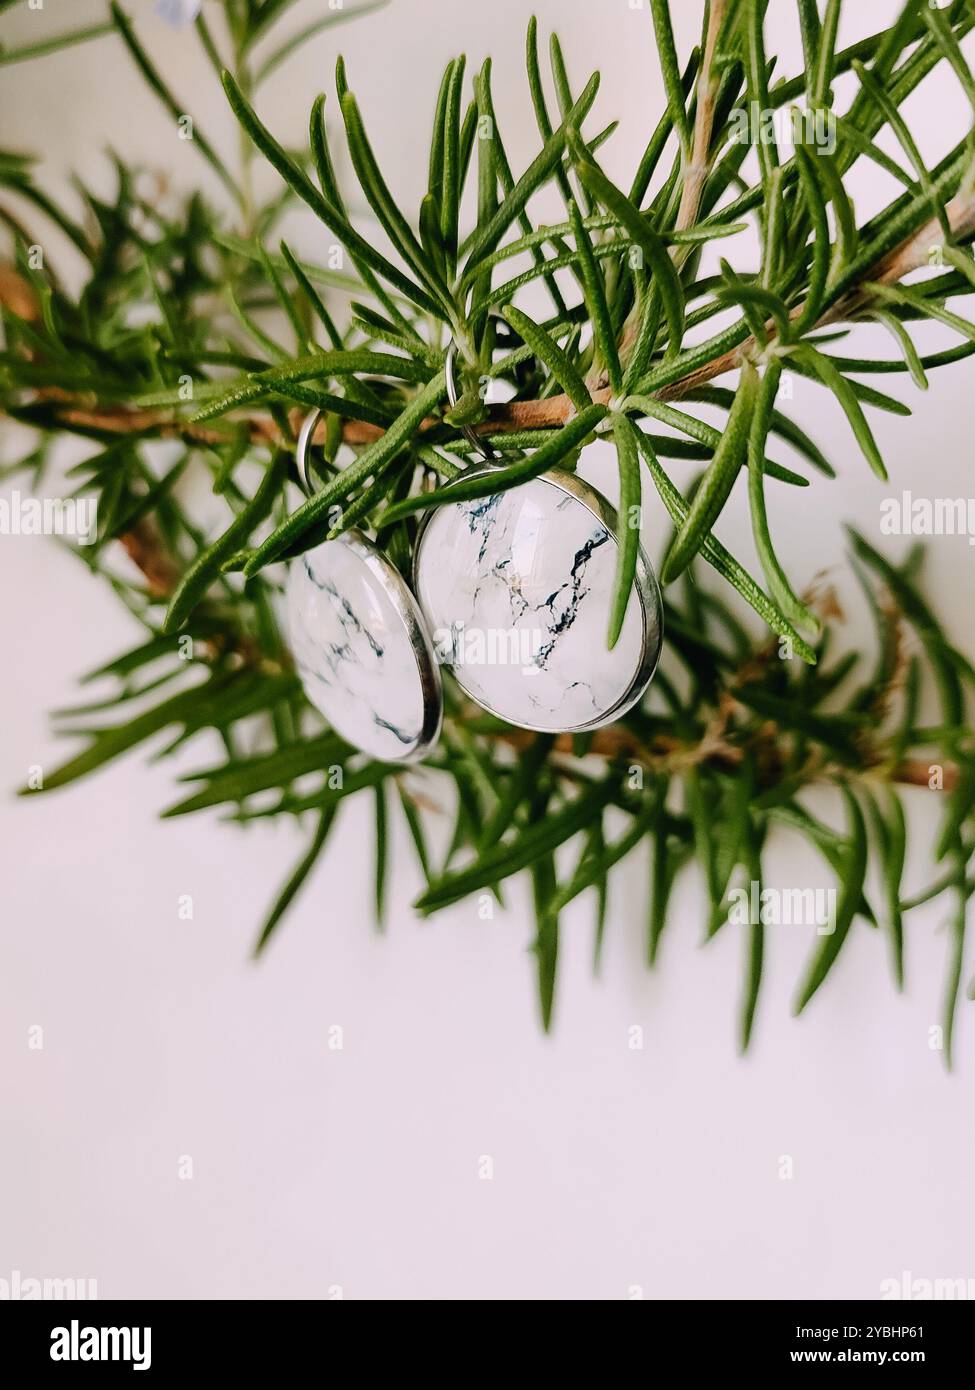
614, 1169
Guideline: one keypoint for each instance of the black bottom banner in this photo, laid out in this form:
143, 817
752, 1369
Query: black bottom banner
168, 1339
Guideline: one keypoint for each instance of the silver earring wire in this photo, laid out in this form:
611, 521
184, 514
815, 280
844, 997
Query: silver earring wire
472, 436
301, 450
453, 396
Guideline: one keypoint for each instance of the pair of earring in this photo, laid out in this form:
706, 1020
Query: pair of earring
511, 593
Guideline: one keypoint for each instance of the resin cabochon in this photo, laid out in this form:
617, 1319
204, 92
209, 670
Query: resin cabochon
359, 648
538, 559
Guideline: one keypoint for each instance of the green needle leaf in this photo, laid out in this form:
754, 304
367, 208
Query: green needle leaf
321, 365
710, 438
298, 40
960, 808
956, 958
53, 44
547, 350
904, 341
546, 945
778, 582
940, 27
382, 852
670, 68
666, 279
899, 126
826, 56
820, 364
595, 291
718, 479
298, 877
726, 565
109, 744
383, 205
243, 777
896, 851
854, 872
755, 951
175, 108
526, 848
207, 566
927, 308
945, 660
757, 68
628, 525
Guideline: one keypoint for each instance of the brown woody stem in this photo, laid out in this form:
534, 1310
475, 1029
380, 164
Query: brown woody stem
515, 416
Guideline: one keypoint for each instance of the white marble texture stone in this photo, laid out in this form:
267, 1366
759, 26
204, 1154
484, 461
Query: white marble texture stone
534, 558
354, 650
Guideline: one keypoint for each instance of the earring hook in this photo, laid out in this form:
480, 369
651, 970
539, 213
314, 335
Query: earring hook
453, 396
301, 449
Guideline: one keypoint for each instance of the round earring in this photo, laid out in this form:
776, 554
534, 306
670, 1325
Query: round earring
517, 589
359, 641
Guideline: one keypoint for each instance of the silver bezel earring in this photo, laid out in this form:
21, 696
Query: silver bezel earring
449, 600
362, 672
